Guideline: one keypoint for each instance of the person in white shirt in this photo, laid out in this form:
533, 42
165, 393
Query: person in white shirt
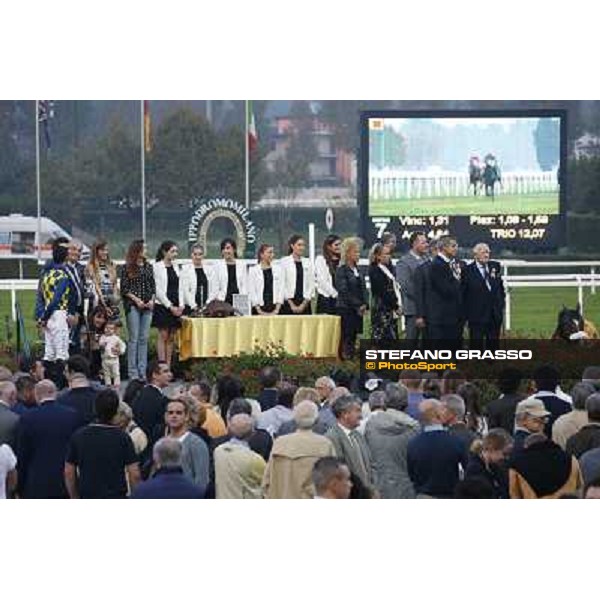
112, 347
230, 274
168, 306
197, 283
325, 266
8, 471
265, 283
298, 279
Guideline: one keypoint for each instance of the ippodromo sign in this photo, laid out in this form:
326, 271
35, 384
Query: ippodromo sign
227, 208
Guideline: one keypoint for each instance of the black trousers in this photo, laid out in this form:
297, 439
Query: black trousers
445, 336
326, 306
484, 336
352, 326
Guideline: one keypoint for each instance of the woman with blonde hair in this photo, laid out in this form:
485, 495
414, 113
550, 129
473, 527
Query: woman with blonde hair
352, 301
386, 301
124, 420
101, 273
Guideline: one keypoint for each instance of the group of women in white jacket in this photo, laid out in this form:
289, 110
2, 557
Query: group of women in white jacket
286, 286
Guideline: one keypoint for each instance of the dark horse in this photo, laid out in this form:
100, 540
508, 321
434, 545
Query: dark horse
475, 174
491, 175
572, 326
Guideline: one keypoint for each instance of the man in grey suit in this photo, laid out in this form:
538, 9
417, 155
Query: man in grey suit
8, 419
405, 274
349, 443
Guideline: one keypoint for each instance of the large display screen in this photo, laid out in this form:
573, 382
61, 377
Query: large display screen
484, 177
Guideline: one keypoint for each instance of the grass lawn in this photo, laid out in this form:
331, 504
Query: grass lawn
513, 204
534, 311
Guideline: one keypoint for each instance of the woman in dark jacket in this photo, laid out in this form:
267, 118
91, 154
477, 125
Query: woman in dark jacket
487, 461
385, 296
352, 295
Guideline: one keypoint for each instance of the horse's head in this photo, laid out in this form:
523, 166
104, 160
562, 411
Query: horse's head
570, 323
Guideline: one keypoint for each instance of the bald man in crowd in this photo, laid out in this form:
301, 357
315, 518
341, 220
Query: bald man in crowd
483, 299
238, 470
9, 420
435, 456
43, 439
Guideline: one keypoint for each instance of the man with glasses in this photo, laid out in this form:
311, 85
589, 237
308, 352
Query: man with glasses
531, 417
446, 316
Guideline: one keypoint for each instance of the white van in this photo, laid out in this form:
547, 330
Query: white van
18, 237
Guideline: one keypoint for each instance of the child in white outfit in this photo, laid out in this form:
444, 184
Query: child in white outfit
111, 346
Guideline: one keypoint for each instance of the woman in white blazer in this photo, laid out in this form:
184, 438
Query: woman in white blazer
265, 283
298, 279
230, 274
325, 266
197, 282
168, 306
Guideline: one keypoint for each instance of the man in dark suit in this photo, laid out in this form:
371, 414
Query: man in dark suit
483, 299
150, 404
76, 272
81, 395
168, 482
269, 379
445, 306
405, 274
43, 438
9, 420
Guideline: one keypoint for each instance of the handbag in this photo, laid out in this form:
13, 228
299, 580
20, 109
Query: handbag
218, 309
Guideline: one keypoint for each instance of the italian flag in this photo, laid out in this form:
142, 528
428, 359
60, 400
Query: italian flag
251, 126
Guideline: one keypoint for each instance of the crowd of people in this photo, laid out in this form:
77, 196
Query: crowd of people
419, 437
69, 428
81, 309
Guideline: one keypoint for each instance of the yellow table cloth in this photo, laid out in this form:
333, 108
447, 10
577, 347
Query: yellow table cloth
314, 335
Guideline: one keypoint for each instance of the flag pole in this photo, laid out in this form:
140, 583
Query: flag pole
247, 157
37, 180
143, 161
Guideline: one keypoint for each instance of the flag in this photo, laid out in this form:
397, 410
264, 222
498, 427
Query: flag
147, 124
252, 134
45, 113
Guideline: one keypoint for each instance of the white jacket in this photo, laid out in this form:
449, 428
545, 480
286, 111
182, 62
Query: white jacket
324, 281
188, 284
221, 278
288, 266
256, 285
161, 281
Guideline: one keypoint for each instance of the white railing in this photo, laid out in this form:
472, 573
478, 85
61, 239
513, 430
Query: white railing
422, 184
579, 281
